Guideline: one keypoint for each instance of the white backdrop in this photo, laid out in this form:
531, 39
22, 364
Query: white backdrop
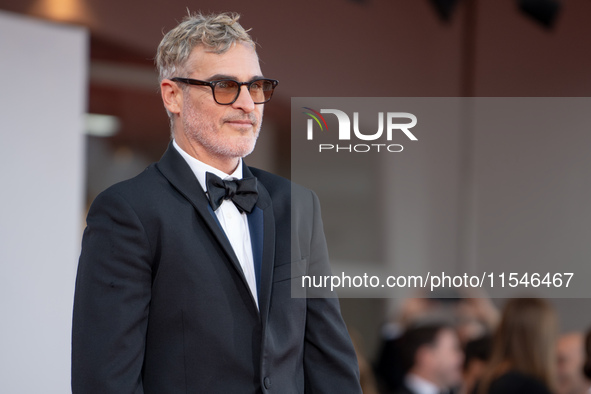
42, 101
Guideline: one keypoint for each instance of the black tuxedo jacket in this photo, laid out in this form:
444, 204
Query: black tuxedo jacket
162, 306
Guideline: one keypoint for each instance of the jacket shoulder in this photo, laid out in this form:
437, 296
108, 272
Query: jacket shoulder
134, 188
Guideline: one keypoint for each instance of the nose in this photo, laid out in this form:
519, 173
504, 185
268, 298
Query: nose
244, 100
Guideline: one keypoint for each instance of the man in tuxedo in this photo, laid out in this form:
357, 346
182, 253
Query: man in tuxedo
431, 359
184, 280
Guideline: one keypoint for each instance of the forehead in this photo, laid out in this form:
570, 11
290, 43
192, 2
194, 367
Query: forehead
240, 61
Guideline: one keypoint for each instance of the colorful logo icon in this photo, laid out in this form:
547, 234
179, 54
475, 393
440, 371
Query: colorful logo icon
315, 115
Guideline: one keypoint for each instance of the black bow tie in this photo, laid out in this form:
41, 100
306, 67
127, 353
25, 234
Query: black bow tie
242, 192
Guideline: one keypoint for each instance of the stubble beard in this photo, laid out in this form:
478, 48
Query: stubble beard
206, 134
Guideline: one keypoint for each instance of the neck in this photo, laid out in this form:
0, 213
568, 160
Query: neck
223, 163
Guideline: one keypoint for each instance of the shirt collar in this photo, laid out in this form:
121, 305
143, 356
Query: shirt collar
199, 168
420, 385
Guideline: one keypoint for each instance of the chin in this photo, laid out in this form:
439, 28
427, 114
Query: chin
242, 147
246, 150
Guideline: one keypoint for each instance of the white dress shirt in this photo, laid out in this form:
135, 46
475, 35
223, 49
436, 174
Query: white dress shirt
234, 223
419, 385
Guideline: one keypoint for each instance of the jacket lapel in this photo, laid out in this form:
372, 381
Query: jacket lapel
179, 174
255, 227
267, 255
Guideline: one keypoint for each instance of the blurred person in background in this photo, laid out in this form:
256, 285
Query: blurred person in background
570, 360
472, 315
476, 357
412, 311
587, 366
431, 359
522, 358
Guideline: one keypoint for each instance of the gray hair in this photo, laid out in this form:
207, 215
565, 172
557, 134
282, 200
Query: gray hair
217, 32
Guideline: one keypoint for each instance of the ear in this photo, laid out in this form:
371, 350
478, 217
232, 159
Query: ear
172, 96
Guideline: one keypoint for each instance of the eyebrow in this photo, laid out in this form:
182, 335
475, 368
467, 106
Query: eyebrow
218, 77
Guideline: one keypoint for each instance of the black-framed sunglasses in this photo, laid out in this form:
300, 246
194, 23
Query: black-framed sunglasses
226, 91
